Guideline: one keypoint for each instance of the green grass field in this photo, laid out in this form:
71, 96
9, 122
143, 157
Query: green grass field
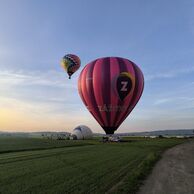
51, 166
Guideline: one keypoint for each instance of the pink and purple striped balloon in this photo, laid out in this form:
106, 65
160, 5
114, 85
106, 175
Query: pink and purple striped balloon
110, 88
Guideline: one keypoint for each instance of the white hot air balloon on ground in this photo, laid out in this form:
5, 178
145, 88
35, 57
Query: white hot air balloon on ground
82, 132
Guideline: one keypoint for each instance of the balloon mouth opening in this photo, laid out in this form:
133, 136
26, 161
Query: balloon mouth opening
109, 130
70, 74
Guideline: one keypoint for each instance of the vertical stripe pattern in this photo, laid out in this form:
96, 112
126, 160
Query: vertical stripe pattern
97, 89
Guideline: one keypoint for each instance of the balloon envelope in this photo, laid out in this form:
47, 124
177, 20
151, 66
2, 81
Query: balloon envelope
110, 88
82, 132
70, 63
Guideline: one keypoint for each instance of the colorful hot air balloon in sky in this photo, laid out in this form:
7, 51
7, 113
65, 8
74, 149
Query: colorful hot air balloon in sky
70, 63
110, 88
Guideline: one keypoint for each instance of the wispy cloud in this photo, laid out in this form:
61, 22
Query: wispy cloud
162, 101
49, 78
48, 92
26, 106
180, 109
169, 74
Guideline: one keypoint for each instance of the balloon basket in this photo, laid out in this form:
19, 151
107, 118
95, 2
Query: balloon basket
111, 138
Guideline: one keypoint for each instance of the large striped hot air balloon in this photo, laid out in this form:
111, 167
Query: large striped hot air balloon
110, 88
70, 64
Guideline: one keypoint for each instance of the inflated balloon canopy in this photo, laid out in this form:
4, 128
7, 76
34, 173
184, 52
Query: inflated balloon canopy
70, 63
110, 88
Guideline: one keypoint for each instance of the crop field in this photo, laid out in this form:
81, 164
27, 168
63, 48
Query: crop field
13, 144
51, 166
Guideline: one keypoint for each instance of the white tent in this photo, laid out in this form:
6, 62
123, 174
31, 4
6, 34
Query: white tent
82, 132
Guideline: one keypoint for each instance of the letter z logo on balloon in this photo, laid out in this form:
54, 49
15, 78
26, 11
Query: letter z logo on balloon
124, 87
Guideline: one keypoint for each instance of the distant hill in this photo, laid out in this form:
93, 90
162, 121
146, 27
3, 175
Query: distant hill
32, 134
175, 132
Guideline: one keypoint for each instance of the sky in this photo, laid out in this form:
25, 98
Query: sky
35, 92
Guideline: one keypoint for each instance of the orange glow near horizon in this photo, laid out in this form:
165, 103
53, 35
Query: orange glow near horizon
12, 120
22, 121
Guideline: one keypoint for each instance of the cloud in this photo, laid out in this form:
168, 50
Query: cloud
169, 74
162, 101
49, 78
177, 102
39, 93
46, 87
26, 106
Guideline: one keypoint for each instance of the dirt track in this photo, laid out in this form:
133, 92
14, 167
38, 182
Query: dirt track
174, 173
